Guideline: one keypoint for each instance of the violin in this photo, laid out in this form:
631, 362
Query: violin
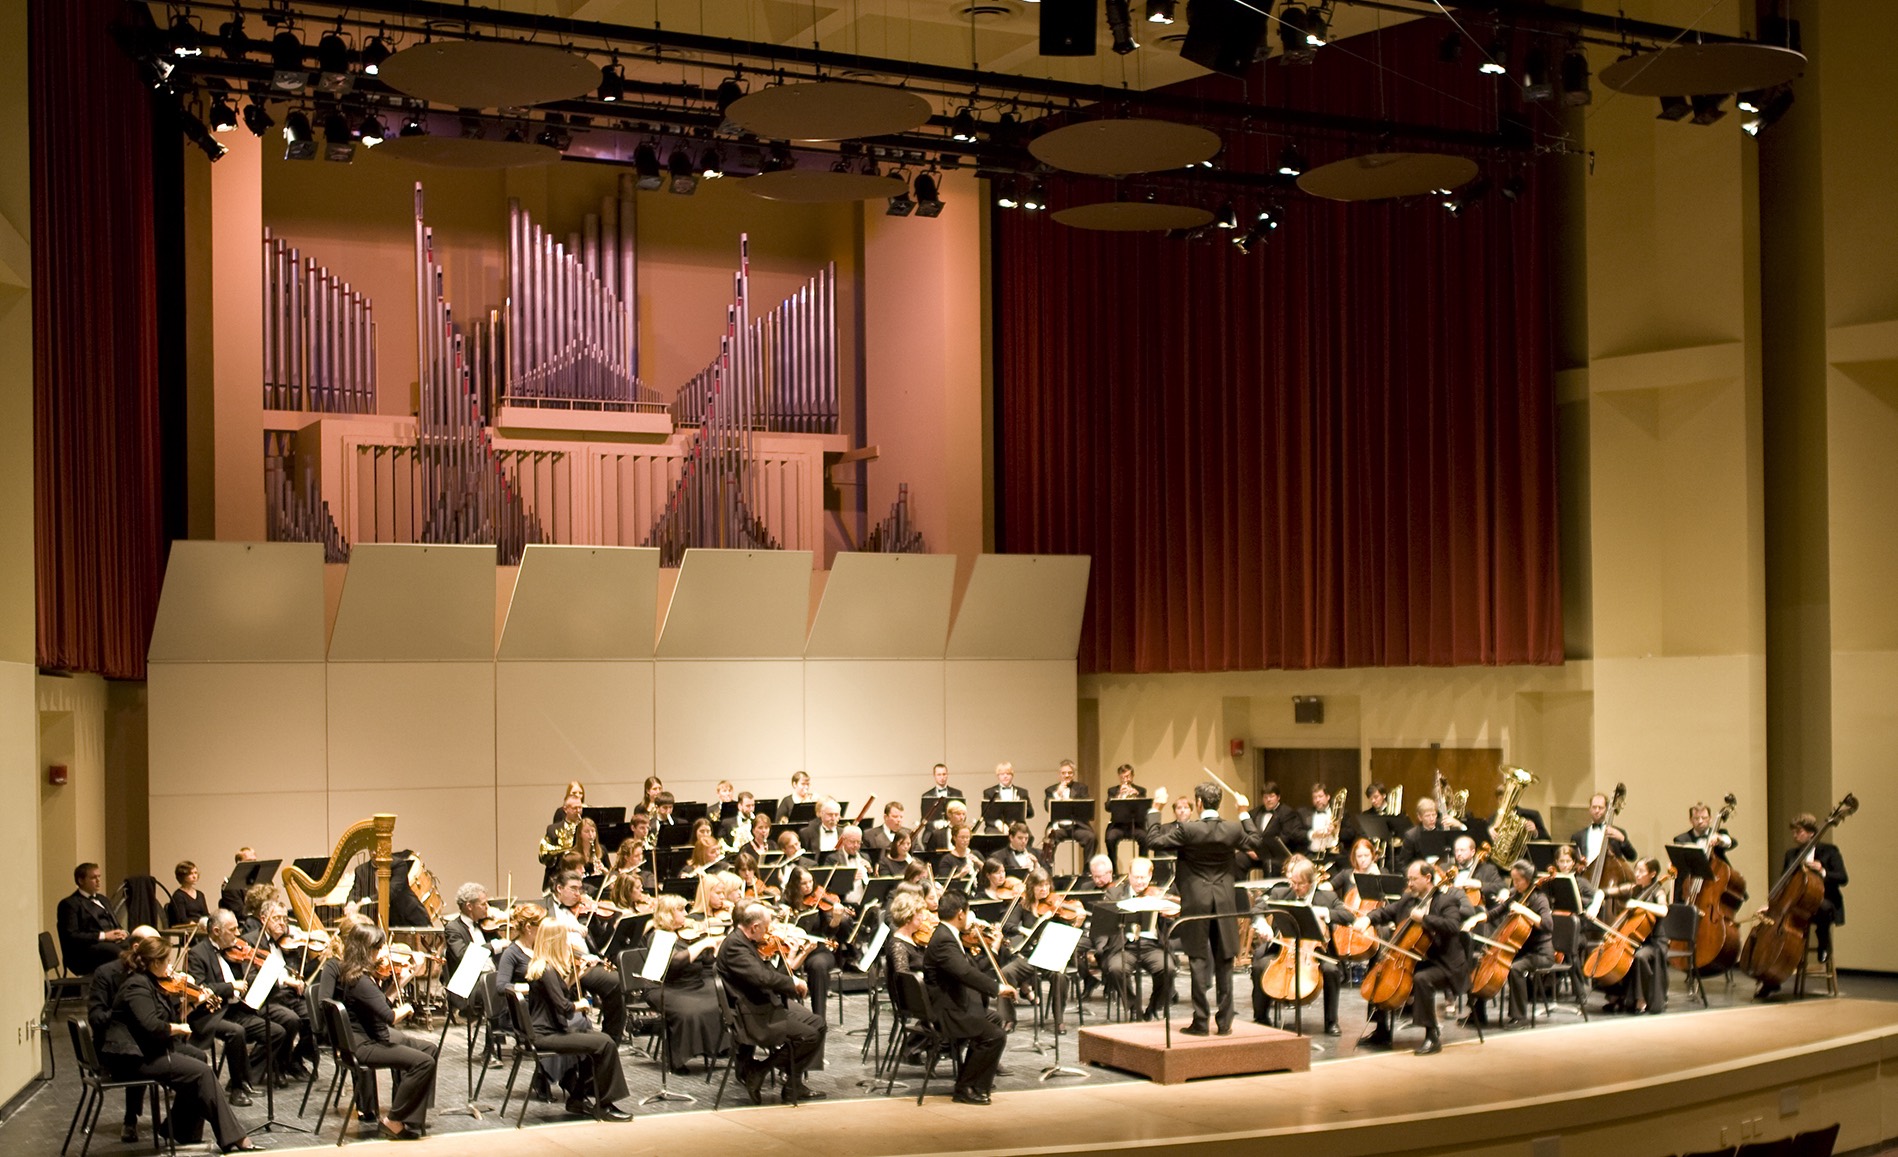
191, 995
982, 936
926, 925
1777, 942
1011, 888
241, 952
1073, 911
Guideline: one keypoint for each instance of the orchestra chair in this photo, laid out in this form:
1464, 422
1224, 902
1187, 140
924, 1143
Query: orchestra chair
922, 1028
629, 963
496, 1029
521, 1033
1810, 966
740, 1040
1816, 1142
319, 1031
361, 1073
1682, 923
59, 983
1544, 982
876, 997
1465, 1005
95, 1084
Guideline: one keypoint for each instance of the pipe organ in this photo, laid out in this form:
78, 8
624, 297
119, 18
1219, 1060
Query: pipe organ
319, 336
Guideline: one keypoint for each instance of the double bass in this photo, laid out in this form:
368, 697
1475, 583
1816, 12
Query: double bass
1608, 869
1777, 944
1717, 941
1609, 962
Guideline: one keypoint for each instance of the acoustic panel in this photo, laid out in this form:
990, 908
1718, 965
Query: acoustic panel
395, 726
207, 829
555, 722
738, 604
235, 601
448, 828
235, 728
879, 720
1016, 711
582, 602
1021, 606
734, 719
411, 603
884, 606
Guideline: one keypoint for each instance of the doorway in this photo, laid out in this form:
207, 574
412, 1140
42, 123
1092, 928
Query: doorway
1296, 769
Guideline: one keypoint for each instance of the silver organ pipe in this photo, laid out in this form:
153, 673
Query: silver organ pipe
319, 336
786, 372
896, 534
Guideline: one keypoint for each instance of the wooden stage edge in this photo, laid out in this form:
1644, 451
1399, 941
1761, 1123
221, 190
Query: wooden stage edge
1625, 1086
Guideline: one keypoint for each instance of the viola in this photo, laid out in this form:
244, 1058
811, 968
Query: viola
1610, 960
1717, 942
1777, 944
191, 995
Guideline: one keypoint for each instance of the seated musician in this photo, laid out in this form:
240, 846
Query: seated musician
1327, 832
1825, 860
1588, 842
632, 876
800, 793
667, 830
959, 988
639, 827
1082, 833
1445, 969
1038, 904
1301, 886
244, 1032
1644, 988
800, 907
911, 921
762, 996
708, 855
465, 929
1126, 788
1700, 833
101, 992
89, 935
941, 835
734, 829
791, 856
877, 841
896, 857
145, 1038
849, 855
1431, 838
230, 895
559, 838
1128, 942
359, 985
257, 897
552, 979
1016, 857
187, 904
576, 793
933, 810
751, 885
820, 836
1273, 819
760, 845
573, 911
1484, 876
684, 996
286, 1005
592, 867
717, 898
1537, 952
1005, 791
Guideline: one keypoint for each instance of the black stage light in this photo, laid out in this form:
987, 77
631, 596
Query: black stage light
1768, 112
373, 132
1707, 108
928, 200
1538, 85
1291, 162
223, 115
373, 54
901, 204
1161, 11
1067, 27
684, 178
646, 164
286, 61
962, 126
332, 64
711, 164
1036, 199
1008, 193
299, 139
1293, 39
1226, 218
1495, 57
1575, 88
1674, 108
186, 40
1120, 25
1224, 35
257, 118
231, 37
612, 82
339, 142
413, 126
780, 158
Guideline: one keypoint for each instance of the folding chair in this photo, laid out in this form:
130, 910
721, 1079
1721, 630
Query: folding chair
741, 1042
95, 1084
361, 1073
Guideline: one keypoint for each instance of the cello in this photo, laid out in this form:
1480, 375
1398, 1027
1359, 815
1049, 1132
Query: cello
1717, 938
1492, 969
1777, 944
1609, 962
1388, 982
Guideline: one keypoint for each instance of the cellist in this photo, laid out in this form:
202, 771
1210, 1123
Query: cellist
1644, 989
1301, 886
1446, 968
1536, 952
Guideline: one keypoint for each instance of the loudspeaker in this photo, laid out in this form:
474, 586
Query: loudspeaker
1308, 709
1222, 35
1067, 27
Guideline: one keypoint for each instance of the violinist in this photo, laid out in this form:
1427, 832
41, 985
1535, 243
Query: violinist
1301, 886
716, 899
1039, 904
761, 997
896, 858
1446, 969
958, 861
464, 930
1082, 833
1126, 788
877, 841
631, 881
360, 985
244, 1032
145, 1040
187, 904
1537, 952
959, 986
511, 957
574, 912
1825, 860
101, 992
997, 884
1644, 988
1119, 946
911, 924
286, 1004
751, 885
685, 997
551, 982
1588, 841
708, 855
1005, 791
801, 905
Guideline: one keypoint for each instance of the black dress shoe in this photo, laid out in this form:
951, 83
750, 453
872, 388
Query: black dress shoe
238, 1098
1223, 1030
578, 1106
1380, 1039
796, 1093
613, 1112
1430, 1047
388, 1134
128, 1135
753, 1077
1332, 1029
1197, 1028
970, 1097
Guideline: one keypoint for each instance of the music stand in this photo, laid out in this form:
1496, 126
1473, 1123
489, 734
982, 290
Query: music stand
802, 813
1690, 860
684, 887
1049, 950
653, 969
1303, 919
1072, 812
689, 812
987, 844
1541, 853
778, 829
1130, 815
1377, 886
604, 817
876, 892
613, 835
1272, 854
1003, 812
630, 930
668, 863
1563, 892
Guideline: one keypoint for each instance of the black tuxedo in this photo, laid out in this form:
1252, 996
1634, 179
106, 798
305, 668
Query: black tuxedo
1281, 823
812, 833
1117, 833
876, 842
1421, 843
994, 792
1832, 909
762, 997
1536, 952
1446, 968
958, 989
274, 1027
1121, 951
724, 828
81, 919
1205, 849
458, 935
1081, 833
1323, 899
1344, 826
1622, 848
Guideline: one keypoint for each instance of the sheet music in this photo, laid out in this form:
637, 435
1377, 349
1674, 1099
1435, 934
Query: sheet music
268, 974
474, 962
659, 956
875, 948
1056, 946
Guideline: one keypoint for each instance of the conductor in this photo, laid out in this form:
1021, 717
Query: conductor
1205, 848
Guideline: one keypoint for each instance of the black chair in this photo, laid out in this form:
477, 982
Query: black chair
319, 1032
922, 1028
741, 1042
361, 1074
95, 1084
1566, 965
521, 1032
497, 1030
1816, 1142
58, 983
1682, 925
630, 962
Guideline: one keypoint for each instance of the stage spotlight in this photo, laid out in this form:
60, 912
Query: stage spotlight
299, 138
413, 126
1674, 108
1768, 111
373, 132
339, 142
646, 165
286, 61
711, 164
1317, 27
1036, 199
1707, 108
186, 40
553, 133
962, 126
1226, 218
257, 118
1291, 162
223, 115
1495, 58
928, 200
332, 64
1575, 88
1293, 38
684, 177
901, 204
197, 134
1007, 193
231, 37
612, 82
1161, 11
1459, 200
373, 54
1537, 85
1120, 25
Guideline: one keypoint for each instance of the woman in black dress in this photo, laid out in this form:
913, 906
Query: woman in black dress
372, 1021
146, 1037
686, 998
187, 905
552, 978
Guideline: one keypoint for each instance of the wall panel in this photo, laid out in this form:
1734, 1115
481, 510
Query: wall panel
237, 727
560, 721
737, 718
411, 724
873, 723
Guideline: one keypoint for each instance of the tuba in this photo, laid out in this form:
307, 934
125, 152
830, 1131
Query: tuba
1451, 805
1508, 834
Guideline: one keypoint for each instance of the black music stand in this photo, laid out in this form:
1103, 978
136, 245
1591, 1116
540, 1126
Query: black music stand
1541, 853
690, 811
1069, 812
669, 863
270, 1061
604, 817
1377, 829
1027, 952
249, 874
778, 829
801, 814
1303, 919
1691, 861
1563, 892
613, 835
987, 844
1003, 812
1272, 855
1130, 815
1377, 885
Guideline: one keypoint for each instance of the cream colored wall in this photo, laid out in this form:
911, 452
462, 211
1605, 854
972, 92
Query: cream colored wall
72, 817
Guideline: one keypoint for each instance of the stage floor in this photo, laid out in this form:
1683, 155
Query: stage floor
1563, 1077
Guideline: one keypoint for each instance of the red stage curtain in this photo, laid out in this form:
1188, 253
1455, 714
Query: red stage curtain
1337, 452
97, 491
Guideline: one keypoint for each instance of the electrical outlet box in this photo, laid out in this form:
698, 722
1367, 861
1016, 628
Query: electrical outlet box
1789, 1101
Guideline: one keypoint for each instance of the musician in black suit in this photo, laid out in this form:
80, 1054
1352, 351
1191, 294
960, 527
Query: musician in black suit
89, 935
1446, 968
822, 833
958, 989
1301, 886
877, 841
1474, 873
463, 930
761, 997
1701, 834
1328, 830
1588, 841
739, 821
801, 792
1430, 839
1274, 819
372, 1021
1016, 857
552, 979
1118, 945
274, 1028
1004, 789
932, 814
1082, 833
1824, 859
144, 1038
101, 994
1205, 849
1125, 789
1538, 951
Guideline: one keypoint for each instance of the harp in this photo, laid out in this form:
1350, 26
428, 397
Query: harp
376, 836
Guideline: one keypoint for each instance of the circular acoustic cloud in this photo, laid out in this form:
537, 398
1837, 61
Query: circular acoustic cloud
1110, 148
489, 73
828, 110
457, 153
1134, 216
817, 186
1704, 69
1377, 176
